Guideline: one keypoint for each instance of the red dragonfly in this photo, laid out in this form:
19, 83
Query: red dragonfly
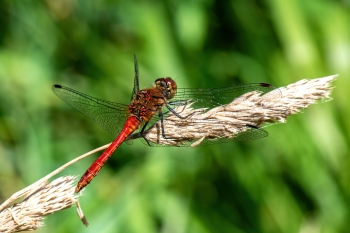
151, 105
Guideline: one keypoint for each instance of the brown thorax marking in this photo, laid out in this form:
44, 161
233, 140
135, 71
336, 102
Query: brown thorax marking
149, 101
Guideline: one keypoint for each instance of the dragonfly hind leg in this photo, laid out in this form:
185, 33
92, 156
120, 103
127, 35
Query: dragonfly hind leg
161, 117
141, 133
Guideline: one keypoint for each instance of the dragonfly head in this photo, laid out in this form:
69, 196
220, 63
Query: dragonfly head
168, 84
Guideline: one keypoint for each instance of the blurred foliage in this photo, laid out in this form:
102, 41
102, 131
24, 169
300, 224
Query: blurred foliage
295, 180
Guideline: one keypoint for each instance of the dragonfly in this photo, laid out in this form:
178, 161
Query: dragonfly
151, 105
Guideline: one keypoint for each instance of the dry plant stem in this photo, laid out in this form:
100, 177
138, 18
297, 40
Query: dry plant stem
47, 199
33, 187
250, 109
41, 198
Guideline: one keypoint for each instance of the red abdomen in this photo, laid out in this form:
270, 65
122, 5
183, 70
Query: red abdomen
130, 126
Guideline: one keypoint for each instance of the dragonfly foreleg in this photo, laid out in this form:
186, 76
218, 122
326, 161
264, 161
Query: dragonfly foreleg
161, 117
176, 114
179, 102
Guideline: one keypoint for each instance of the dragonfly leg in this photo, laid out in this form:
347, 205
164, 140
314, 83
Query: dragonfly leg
161, 117
176, 114
252, 126
144, 127
146, 140
162, 123
141, 133
179, 102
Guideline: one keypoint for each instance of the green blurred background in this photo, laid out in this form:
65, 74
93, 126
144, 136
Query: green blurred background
295, 180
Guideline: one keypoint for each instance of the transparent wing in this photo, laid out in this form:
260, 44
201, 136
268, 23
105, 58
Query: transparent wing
136, 79
109, 115
250, 133
213, 97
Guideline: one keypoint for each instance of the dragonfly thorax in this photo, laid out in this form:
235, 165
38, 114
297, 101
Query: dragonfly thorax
147, 102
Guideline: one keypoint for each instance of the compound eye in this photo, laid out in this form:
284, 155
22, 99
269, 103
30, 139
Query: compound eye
158, 82
171, 86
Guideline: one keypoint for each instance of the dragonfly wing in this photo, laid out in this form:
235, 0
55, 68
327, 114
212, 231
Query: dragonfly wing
136, 79
212, 97
109, 115
248, 133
